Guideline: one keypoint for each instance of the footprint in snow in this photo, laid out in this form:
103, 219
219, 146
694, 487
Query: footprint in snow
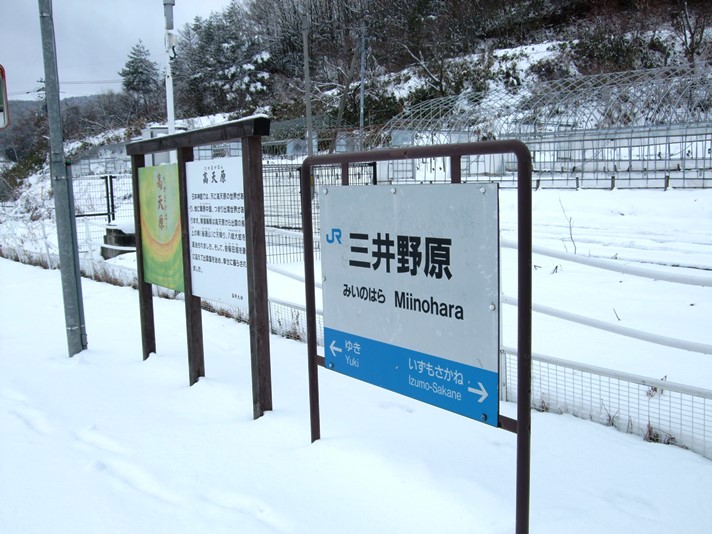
33, 418
249, 506
95, 439
136, 479
13, 395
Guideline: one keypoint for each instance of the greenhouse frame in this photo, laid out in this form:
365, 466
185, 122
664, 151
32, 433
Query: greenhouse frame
640, 129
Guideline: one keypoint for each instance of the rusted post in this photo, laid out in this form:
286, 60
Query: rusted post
193, 311
145, 290
257, 275
312, 365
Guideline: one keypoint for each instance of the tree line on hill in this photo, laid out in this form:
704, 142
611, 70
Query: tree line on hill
249, 58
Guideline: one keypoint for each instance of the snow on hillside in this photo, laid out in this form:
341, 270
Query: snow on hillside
515, 61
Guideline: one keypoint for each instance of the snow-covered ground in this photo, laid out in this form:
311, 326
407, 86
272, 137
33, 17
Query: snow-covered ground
661, 231
106, 442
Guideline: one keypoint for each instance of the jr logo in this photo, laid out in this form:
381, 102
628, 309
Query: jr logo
334, 236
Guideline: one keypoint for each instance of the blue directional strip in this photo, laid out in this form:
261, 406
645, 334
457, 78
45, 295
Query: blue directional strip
453, 386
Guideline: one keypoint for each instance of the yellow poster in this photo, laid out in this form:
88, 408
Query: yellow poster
160, 226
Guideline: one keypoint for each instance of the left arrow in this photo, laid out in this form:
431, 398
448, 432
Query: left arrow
334, 349
482, 392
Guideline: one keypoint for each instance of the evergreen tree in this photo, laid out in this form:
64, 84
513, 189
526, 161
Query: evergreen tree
140, 80
220, 65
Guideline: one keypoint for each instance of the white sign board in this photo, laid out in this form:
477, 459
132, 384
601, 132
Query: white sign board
411, 291
216, 216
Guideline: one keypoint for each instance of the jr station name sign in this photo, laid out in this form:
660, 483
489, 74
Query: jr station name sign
411, 291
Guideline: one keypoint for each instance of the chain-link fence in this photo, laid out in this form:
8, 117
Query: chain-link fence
664, 159
658, 410
100, 201
283, 213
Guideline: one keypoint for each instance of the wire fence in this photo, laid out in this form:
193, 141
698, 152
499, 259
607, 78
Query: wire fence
283, 213
100, 200
658, 410
103, 199
579, 170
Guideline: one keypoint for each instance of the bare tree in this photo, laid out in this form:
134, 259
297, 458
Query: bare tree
691, 24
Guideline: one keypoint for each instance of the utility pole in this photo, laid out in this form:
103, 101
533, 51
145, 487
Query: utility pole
307, 79
63, 194
362, 89
170, 54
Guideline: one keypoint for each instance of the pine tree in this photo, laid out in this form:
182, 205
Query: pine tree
220, 65
140, 79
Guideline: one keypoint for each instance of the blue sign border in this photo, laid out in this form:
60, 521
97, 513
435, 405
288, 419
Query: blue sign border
453, 386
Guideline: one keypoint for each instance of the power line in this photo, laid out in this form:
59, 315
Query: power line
78, 82
21, 93
90, 82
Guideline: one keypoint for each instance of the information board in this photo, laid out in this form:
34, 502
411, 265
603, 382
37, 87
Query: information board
411, 291
218, 244
160, 226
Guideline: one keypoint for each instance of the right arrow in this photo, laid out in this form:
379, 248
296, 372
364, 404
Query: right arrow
335, 349
482, 392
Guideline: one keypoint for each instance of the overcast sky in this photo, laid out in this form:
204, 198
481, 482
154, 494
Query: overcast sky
93, 38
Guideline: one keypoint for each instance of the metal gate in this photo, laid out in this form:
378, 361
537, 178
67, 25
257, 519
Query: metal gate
99, 201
